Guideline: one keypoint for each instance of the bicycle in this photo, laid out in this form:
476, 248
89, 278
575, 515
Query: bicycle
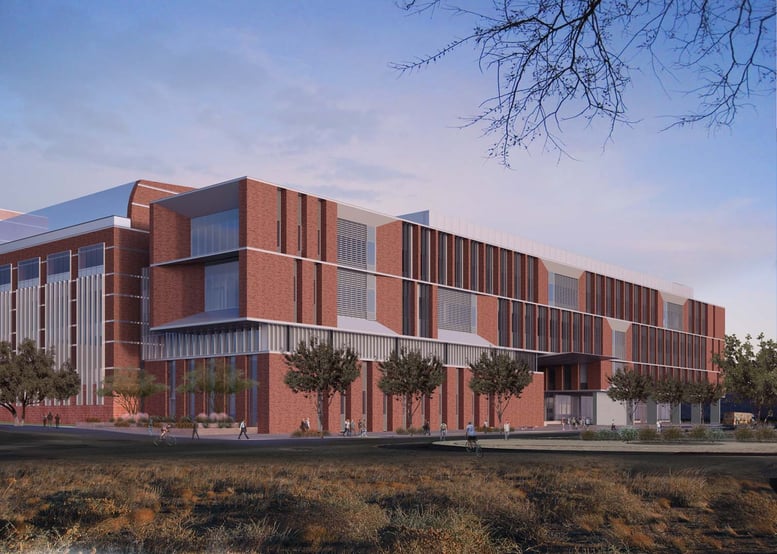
473, 446
167, 438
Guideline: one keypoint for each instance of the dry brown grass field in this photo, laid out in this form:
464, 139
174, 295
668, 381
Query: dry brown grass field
104, 495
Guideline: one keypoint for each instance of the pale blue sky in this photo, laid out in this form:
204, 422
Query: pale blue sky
96, 94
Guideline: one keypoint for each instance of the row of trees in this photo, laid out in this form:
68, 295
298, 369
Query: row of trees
29, 375
749, 373
319, 371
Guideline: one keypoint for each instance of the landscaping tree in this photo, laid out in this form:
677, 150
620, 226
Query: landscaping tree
751, 376
29, 375
703, 392
130, 386
213, 381
629, 387
669, 391
501, 377
409, 376
557, 60
318, 370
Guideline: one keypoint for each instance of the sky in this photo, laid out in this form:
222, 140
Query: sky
302, 94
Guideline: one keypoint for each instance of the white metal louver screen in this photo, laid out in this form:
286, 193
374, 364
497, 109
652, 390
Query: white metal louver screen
351, 243
351, 293
454, 310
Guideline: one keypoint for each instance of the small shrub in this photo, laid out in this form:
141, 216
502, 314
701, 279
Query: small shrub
628, 434
671, 434
716, 435
698, 433
607, 435
648, 434
744, 434
588, 435
93, 419
765, 434
121, 423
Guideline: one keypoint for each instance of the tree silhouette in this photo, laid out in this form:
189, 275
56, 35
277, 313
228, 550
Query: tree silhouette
560, 60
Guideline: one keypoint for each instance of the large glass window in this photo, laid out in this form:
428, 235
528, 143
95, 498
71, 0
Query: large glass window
673, 316
217, 232
91, 260
58, 267
222, 286
29, 273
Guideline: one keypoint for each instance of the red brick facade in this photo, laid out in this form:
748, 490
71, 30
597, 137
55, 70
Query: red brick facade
288, 271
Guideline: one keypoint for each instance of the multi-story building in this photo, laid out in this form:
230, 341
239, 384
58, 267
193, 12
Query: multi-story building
230, 277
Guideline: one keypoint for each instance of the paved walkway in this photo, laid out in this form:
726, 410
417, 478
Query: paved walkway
577, 445
520, 440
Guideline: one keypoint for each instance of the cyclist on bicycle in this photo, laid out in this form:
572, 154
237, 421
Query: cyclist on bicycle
163, 431
472, 437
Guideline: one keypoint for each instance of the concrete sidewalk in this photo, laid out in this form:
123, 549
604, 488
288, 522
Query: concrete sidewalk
577, 445
559, 441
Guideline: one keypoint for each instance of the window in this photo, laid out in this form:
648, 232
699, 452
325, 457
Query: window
531, 279
619, 345
489, 269
504, 322
517, 324
474, 265
562, 291
91, 260
5, 277
407, 250
673, 316
503, 266
212, 233
222, 288
459, 267
426, 238
442, 259
517, 275
408, 305
29, 273
424, 310
58, 267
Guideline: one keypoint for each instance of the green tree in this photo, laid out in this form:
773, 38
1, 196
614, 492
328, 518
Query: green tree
669, 390
501, 377
29, 375
751, 375
703, 392
318, 370
629, 387
129, 387
556, 61
409, 376
214, 381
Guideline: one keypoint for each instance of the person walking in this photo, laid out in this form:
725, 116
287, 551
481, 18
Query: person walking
57, 420
195, 429
242, 430
507, 430
443, 430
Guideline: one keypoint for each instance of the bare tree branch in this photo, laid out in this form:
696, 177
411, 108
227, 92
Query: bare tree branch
562, 60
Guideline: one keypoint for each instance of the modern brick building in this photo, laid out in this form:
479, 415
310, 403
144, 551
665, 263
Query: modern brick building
231, 276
